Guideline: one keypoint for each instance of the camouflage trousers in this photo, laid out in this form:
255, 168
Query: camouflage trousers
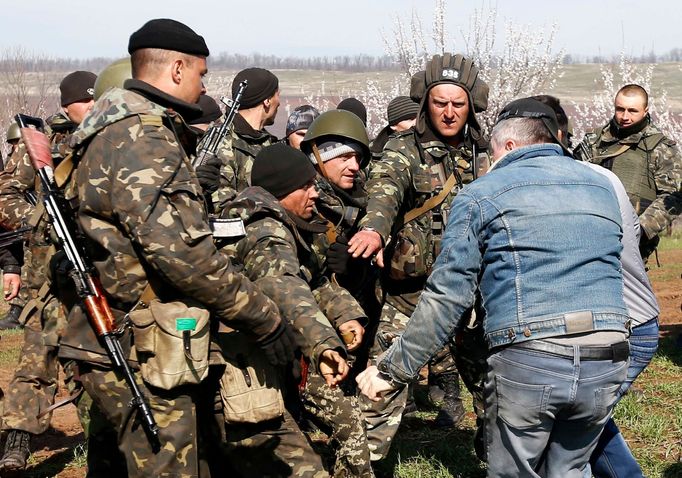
340, 413
383, 418
273, 448
34, 385
175, 412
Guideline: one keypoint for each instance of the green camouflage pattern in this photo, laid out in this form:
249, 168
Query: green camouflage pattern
34, 383
175, 414
664, 164
277, 255
339, 412
141, 212
236, 152
400, 180
273, 449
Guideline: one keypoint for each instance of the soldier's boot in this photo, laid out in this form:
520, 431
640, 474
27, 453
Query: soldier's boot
451, 412
436, 393
11, 320
16, 451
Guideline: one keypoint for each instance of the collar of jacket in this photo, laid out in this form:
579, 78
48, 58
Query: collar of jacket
309, 225
243, 128
530, 151
188, 111
625, 132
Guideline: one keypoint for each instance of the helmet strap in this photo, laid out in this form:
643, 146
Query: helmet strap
320, 163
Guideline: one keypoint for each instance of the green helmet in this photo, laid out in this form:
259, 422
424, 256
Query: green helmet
338, 123
13, 133
113, 76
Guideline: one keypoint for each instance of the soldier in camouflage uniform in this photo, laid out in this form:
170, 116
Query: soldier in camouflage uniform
141, 215
409, 191
647, 162
279, 256
17, 303
342, 148
34, 385
247, 135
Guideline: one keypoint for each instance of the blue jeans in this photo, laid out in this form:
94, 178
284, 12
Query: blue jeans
612, 457
546, 410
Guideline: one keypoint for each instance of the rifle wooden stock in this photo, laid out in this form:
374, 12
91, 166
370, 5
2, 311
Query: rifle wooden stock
87, 284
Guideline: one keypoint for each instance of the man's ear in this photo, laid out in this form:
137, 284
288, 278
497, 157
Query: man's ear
509, 145
177, 70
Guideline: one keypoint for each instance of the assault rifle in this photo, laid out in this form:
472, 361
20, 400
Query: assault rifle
215, 133
87, 283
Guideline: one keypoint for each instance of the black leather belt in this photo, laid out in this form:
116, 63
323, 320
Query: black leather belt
617, 352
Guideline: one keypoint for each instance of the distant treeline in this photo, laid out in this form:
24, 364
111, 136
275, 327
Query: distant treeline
234, 61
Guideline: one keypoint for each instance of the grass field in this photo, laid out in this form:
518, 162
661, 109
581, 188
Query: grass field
650, 417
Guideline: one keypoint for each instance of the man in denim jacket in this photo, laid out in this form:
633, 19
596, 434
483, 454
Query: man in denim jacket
539, 237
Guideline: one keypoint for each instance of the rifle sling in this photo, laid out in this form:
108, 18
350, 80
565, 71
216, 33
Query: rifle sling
431, 202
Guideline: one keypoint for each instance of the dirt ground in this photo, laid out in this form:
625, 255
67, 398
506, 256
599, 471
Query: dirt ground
56, 453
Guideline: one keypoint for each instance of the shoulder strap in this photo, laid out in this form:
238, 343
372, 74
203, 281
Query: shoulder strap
618, 152
431, 202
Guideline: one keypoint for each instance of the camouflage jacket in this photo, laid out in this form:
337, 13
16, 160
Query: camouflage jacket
17, 183
237, 152
141, 213
411, 170
277, 255
662, 170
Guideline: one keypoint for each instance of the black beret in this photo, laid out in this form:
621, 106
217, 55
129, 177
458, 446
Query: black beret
167, 34
209, 107
262, 84
77, 86
355, 106
281, 169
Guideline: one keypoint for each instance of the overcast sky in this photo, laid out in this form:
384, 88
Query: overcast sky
89, 28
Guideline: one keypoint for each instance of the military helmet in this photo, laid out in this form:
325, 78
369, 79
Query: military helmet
340, 123
113, 76
455, 69
13, 133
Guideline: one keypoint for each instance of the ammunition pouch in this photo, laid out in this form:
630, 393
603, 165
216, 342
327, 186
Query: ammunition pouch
250, 388
172, 342
410, 252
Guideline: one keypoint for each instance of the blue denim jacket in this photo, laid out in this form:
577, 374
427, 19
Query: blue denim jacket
540, 237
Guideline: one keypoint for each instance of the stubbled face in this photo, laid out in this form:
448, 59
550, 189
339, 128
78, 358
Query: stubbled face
77, 111
301, 202
296, 137
343, 169
192, 84
448, 108
629, 109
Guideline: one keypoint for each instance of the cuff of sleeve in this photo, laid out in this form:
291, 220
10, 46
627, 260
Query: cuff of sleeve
362, 319
333, 343
390, 372
10, 269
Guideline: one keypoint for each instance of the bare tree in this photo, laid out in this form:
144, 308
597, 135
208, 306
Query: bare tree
24, 86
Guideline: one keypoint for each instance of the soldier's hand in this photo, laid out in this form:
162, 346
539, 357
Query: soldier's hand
281, 345
208, 175
338, 256
333, 367
371, 384
352, 333
11, 283
366, 244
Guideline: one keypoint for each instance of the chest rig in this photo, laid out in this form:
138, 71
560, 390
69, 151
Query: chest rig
632, 161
